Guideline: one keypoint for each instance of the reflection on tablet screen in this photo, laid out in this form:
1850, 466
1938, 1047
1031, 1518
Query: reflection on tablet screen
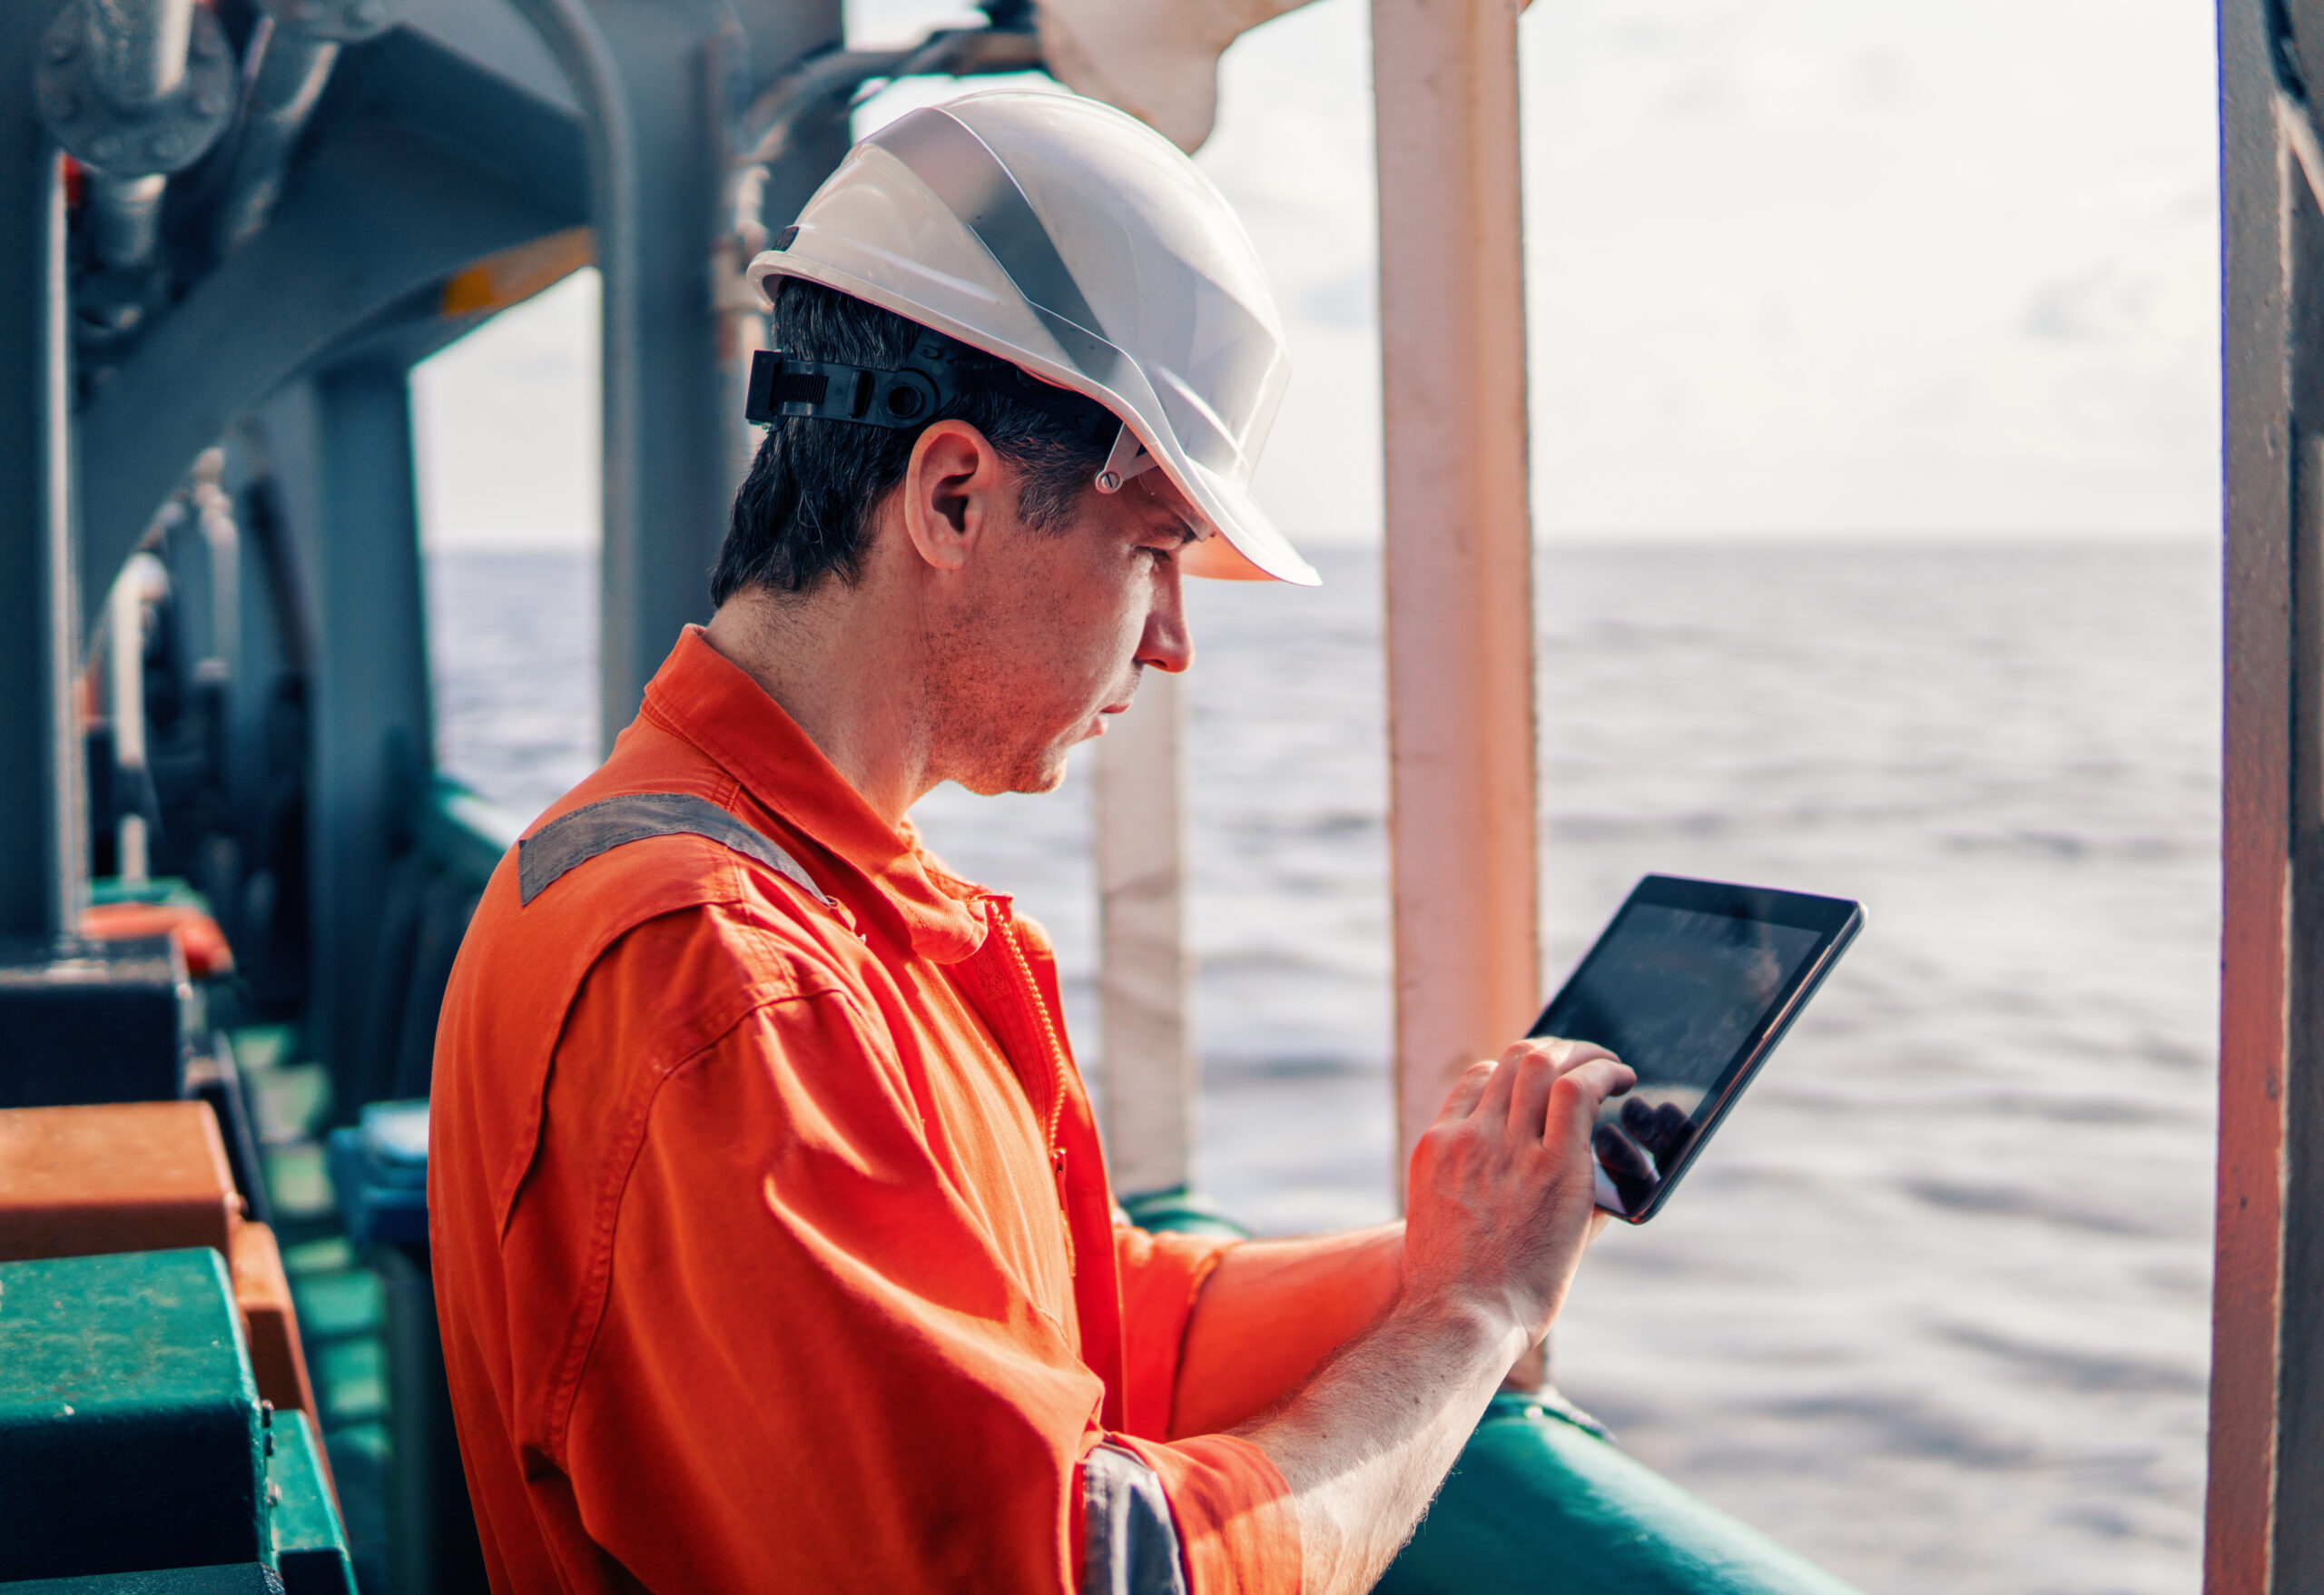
1675, 993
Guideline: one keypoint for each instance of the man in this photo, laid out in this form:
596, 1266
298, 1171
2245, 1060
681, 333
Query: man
773, 1246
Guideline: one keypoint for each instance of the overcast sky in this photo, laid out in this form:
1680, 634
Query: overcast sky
1845, 267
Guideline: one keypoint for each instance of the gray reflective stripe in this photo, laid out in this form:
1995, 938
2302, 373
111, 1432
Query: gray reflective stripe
1129, 1543
593, 827
962, 170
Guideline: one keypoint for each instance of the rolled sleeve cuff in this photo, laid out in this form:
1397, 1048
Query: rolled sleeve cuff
1161, 1275
1236, 1526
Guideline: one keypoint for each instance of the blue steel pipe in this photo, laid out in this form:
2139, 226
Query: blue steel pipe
43, 866
286, 71
136, 90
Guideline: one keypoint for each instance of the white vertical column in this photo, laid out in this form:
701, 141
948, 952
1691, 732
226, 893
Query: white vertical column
1144, 975
125, 690
1459, 553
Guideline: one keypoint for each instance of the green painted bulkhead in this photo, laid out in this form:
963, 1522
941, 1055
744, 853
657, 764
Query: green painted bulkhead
132, 1439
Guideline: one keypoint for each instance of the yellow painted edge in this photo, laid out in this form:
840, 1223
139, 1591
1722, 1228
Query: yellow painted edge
515, 275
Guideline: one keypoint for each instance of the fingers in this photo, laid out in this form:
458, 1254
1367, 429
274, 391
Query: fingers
1575, 1096
1462, 1100
1535, 1067
1494, 1104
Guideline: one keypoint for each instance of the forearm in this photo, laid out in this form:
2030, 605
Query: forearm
1365, 1442
1271, 1312
1499, 1212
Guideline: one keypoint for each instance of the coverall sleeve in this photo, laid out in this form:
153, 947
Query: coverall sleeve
1162, 1277
814, 1371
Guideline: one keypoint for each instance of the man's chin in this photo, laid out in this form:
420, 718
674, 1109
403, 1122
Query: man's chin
1044, 772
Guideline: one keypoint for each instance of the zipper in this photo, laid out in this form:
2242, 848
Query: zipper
1008, 926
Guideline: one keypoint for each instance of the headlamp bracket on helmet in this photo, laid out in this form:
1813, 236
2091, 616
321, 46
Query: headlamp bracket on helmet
785, 386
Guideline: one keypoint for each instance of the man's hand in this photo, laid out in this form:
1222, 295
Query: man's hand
1500, 1203
1500, 1212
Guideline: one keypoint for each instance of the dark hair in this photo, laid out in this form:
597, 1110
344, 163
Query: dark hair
804, 510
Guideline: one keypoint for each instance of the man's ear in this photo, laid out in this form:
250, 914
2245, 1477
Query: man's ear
951, 493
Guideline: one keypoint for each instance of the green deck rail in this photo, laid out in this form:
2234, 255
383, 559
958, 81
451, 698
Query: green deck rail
1538, 1502
464, 831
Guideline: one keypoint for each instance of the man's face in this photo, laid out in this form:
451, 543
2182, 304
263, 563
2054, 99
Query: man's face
1054, 627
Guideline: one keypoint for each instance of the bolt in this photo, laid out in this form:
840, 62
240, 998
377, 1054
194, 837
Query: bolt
165, 146
63, 47
108, 150
298, 10
62, 104
364, 14
210, 100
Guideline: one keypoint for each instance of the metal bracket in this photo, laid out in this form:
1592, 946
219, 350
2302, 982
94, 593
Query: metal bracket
124, 138
1127, 460
784, 385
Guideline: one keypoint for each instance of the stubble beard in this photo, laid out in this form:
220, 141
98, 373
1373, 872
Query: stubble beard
983, 735
1015, 770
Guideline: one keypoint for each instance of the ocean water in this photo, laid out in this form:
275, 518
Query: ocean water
1933, 1309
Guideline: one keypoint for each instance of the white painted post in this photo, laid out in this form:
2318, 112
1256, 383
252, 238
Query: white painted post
1459, 552
125, 689
1144, 975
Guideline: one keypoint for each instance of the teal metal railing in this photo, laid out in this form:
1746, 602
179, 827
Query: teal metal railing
1542, 1498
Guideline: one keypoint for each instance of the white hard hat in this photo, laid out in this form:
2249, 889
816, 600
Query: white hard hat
1072, 240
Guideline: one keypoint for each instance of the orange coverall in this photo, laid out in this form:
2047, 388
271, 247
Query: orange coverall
772, 1243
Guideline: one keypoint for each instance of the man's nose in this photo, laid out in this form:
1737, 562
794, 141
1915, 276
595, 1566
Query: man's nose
1167, 644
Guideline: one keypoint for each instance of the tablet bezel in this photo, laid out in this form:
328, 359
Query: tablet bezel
1836, 922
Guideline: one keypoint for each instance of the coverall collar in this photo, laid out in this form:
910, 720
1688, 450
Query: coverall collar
706, 698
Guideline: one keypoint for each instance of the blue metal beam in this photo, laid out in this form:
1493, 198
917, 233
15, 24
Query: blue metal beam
43, 860
667, 491
339, 450
377, 212
783, 33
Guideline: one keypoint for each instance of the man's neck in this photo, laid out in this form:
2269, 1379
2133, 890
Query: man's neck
844, 677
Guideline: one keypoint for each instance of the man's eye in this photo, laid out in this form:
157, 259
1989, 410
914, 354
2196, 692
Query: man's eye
1162, 556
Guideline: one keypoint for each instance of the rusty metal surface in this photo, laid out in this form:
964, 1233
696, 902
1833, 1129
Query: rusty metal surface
2264, 1485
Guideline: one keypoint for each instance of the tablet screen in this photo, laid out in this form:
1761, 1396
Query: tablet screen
1674, 992
1682, 994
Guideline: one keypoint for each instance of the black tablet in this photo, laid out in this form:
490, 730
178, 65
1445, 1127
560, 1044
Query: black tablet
1692, 985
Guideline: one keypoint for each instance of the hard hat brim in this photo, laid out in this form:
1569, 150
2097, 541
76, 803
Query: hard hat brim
1248, 547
